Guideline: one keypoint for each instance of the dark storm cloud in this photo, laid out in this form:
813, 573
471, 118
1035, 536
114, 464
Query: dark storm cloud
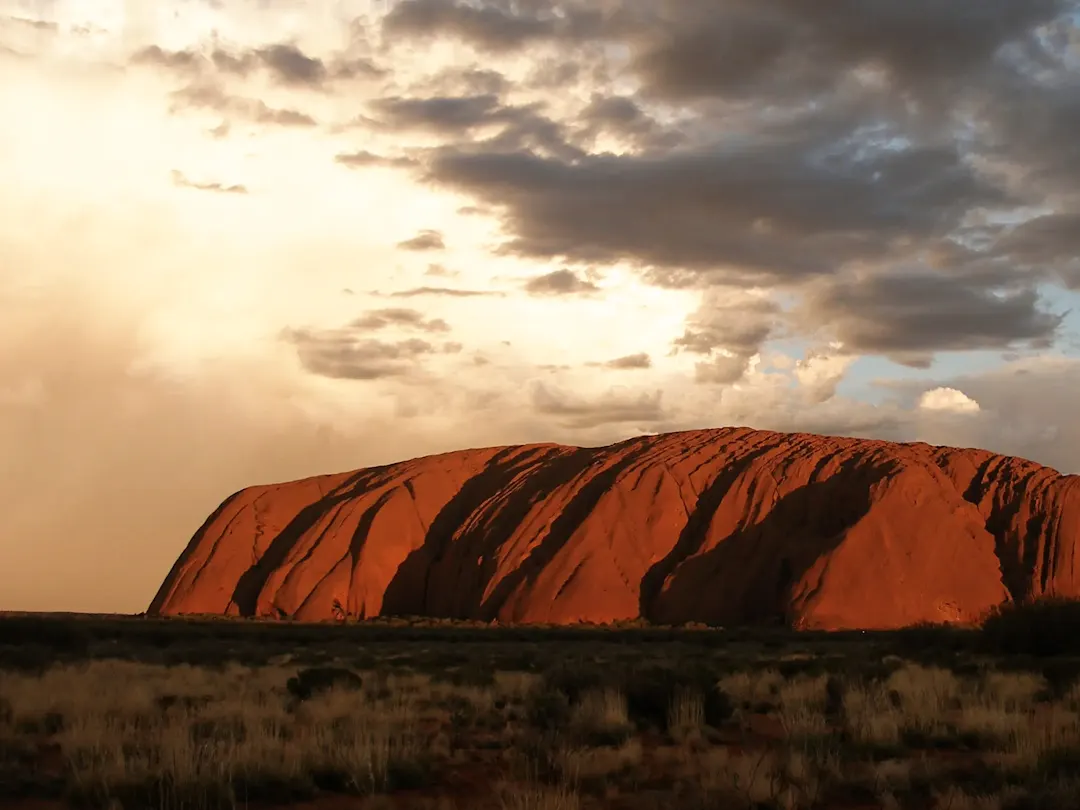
559, 282
792, 48
862, 135
613, 407
1048, 243
179, 179
425, 240
522, 127
622, 116
339, 354
691, 48
442, 113
1044, 238
630, 361
778, 208
399, 316
1033, 126
908, 316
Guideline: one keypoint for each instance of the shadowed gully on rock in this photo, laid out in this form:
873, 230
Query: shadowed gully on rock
728, 526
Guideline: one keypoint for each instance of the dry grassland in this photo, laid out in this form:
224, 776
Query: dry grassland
120, 734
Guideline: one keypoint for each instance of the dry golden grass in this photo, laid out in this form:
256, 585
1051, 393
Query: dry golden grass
686, 715
752, 687
538, 797
954, 798
802, 706
578, 764
516, 685
601, 711
190, 737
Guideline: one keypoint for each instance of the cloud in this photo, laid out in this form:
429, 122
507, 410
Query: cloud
291, 65
908, 316
435, 269
729, 318
784, 48
285, 63
346, 353
202, 96
174, 60
948, 399
466, 80
443, 291
723, 368
767, 209
729, 327
612, 407
631, 361
624, 117
487, 26
37, 25
519, 127
399, 316
559, 282
442, 114
179, 179
1026, 127
339, 354
819, 372
1047, 243
364, 158
776, 48
425, 240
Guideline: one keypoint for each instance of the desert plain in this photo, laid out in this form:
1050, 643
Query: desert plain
205, 712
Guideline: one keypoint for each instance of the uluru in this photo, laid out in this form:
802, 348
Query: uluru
727, 526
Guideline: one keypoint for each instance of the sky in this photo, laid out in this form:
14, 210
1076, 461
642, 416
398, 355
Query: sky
248, 241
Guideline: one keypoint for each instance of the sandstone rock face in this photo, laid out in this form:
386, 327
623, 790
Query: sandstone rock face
729, 526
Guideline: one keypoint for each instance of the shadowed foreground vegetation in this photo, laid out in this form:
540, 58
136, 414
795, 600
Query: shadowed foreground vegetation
113, 712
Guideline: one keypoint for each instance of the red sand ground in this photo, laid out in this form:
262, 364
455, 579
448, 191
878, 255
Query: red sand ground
724, 526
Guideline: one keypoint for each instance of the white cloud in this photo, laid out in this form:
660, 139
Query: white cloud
819, 373
948, 399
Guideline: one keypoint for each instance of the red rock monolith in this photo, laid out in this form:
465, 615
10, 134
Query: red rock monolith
729, 526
